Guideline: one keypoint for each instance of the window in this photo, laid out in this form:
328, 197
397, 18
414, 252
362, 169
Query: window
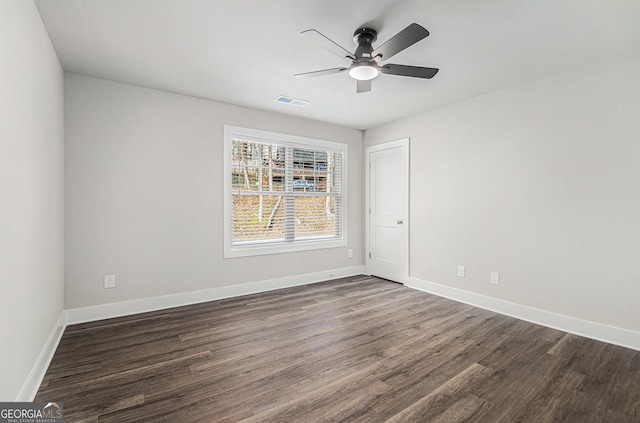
282, 193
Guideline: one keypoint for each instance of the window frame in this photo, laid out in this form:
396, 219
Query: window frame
254, 248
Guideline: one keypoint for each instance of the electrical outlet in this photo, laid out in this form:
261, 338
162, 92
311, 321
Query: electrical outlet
350, 252
461, 271
109, 281
495, 278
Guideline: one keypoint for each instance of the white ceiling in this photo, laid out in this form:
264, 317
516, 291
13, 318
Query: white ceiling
245, 52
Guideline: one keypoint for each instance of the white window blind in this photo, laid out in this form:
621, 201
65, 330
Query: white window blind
285, 192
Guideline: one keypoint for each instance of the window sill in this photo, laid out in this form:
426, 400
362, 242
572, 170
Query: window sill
249, 249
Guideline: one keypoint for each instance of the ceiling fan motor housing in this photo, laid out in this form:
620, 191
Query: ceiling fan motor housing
364, 37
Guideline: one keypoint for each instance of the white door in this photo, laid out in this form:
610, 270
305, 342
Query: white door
388, 210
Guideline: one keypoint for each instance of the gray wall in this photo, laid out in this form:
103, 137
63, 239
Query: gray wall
144, 194
539, 182
31, 192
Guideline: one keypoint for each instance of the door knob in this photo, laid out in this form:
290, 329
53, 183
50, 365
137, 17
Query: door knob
399, 222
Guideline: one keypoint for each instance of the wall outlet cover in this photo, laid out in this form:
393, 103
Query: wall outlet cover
109, 281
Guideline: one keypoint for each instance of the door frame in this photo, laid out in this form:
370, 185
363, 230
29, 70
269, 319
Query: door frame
405, 143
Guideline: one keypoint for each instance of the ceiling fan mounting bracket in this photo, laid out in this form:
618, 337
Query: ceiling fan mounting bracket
366, 35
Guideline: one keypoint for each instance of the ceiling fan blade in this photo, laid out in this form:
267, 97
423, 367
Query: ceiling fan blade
363, 86
328, 44
319, 73
413, 71
403, 39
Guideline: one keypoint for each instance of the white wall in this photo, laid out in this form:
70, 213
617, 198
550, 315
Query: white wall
144, 194
31, 192
539, 182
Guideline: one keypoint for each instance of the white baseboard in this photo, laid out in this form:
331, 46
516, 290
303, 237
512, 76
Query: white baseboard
125, 308
610, 334
32, 384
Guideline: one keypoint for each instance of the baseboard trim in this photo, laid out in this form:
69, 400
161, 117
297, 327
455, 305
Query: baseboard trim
600, 332
143, 305
36, 375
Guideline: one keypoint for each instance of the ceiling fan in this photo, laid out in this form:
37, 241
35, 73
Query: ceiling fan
367, 63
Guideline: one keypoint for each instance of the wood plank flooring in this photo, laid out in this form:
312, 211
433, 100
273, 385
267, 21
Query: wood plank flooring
358, 349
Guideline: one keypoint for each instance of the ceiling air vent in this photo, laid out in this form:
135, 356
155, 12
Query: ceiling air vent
291, 101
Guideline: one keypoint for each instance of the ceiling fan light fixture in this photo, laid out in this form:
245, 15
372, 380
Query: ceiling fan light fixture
363, 71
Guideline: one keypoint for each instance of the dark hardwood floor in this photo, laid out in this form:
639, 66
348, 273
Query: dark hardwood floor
358, 349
